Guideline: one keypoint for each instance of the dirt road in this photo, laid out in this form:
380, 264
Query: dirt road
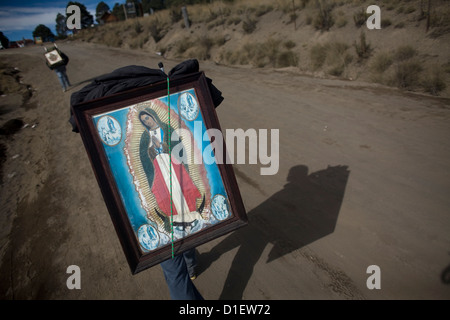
363, 179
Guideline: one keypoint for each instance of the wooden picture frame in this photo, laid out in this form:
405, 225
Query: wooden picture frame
53, 57
125, 136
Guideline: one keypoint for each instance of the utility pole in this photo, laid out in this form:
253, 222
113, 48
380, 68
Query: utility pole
294, 16
186, 17
125, 11
429, 14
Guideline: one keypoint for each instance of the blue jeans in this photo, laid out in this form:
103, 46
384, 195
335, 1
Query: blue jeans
177, 272
62, 76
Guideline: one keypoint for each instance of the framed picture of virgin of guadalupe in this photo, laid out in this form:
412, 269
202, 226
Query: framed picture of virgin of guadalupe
160, 164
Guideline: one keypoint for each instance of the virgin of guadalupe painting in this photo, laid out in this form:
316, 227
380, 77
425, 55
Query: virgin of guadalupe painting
186, 204
166, 198
154, 158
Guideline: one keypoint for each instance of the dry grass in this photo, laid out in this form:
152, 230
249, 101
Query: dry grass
382, 62
271, 53
434, 80
236, 33
406, 75
333, 57
403, 69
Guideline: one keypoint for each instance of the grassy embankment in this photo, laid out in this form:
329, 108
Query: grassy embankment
316, 37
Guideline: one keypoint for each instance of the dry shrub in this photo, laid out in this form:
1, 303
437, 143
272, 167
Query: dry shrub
363, 48
381, 62
360, 17
404, 53
156, 30
203, 47
318, 55
199, 47
434, 81
334, 56
338, 58
112, 39
262, 54
249, 25
286, 59
182, 46
324, 19
139, 41
407, 74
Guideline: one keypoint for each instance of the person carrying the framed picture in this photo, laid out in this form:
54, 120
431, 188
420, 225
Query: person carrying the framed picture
179, 270
57, 60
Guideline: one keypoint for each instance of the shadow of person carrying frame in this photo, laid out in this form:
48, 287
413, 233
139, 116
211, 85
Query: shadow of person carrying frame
305, 210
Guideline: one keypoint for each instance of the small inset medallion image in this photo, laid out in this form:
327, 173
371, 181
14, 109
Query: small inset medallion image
219, 207
148, 237
109, 130
188, 106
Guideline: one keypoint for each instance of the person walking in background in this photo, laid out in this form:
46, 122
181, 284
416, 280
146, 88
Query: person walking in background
56, 60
